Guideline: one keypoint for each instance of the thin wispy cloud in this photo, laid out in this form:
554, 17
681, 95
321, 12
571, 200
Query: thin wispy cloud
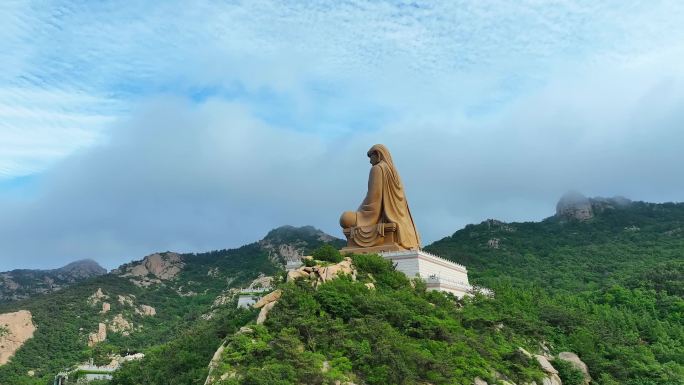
184, 126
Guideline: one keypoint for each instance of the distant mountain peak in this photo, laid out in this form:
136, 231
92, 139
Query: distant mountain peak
574, 205
83, 268
289, 243
23, 283
288, 232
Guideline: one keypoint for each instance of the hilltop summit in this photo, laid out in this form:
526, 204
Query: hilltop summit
288, 243
574, 205
84, 268
24, 283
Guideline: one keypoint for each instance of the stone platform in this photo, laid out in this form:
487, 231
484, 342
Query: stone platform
437, 272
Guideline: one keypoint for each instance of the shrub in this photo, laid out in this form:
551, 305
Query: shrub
271, 374
327, 253
568, 374
381, 269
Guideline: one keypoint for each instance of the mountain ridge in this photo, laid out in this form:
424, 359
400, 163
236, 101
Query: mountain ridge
558, 282
24, 283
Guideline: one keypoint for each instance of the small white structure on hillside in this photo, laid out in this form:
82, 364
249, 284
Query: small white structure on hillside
437, 272
249, 297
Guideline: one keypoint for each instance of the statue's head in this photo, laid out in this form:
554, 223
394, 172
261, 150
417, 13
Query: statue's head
374, 157
378, 153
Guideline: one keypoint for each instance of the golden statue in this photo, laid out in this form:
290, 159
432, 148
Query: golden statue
383, 222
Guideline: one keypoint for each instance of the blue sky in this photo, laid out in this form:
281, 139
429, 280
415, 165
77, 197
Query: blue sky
163, 126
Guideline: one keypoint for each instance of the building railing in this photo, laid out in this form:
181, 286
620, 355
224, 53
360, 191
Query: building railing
408, 252
255, 290
96, 369
438, 280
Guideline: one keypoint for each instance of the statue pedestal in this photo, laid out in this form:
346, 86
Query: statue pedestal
371, 250
438, 273
371, 239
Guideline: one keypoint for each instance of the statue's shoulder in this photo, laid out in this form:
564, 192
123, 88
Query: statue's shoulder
376, 168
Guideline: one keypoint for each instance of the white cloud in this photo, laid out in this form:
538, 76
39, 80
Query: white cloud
190, 177
493, 109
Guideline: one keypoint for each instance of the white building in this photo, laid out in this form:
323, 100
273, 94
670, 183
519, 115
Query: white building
438, 273
249, 297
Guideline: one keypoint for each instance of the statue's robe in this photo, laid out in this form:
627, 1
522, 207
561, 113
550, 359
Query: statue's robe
385, 202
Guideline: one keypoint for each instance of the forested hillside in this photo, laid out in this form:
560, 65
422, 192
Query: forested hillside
378, 328
154, 306
610, 288
24, 283
606, 284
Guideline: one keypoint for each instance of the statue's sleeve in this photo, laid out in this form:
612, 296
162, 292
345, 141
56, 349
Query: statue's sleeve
370, 211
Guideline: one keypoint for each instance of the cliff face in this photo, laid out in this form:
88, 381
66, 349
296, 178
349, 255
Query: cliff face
575, 206
15, 329
153, 269
22, 284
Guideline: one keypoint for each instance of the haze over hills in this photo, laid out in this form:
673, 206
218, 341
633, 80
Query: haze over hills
605, 283
23, 283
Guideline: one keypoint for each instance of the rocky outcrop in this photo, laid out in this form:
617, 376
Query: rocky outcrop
551, 372
120, 325
7, 283
493, 243
266, 303
268, 298
153, 269
97, 297
261, 282
545, 364
99, 336
322, 273
213, 364
118, 360
126, 299
296, 274
317, 274
105, 307
216, 359
146, 310
577, 364
264, 312
574, 205
15, 329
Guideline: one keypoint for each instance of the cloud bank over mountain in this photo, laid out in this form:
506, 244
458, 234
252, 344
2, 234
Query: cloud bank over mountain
146, 129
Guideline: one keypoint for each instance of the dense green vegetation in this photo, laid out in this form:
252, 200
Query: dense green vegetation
397, 333
184, 360
610, 289
327, 253
65, 318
